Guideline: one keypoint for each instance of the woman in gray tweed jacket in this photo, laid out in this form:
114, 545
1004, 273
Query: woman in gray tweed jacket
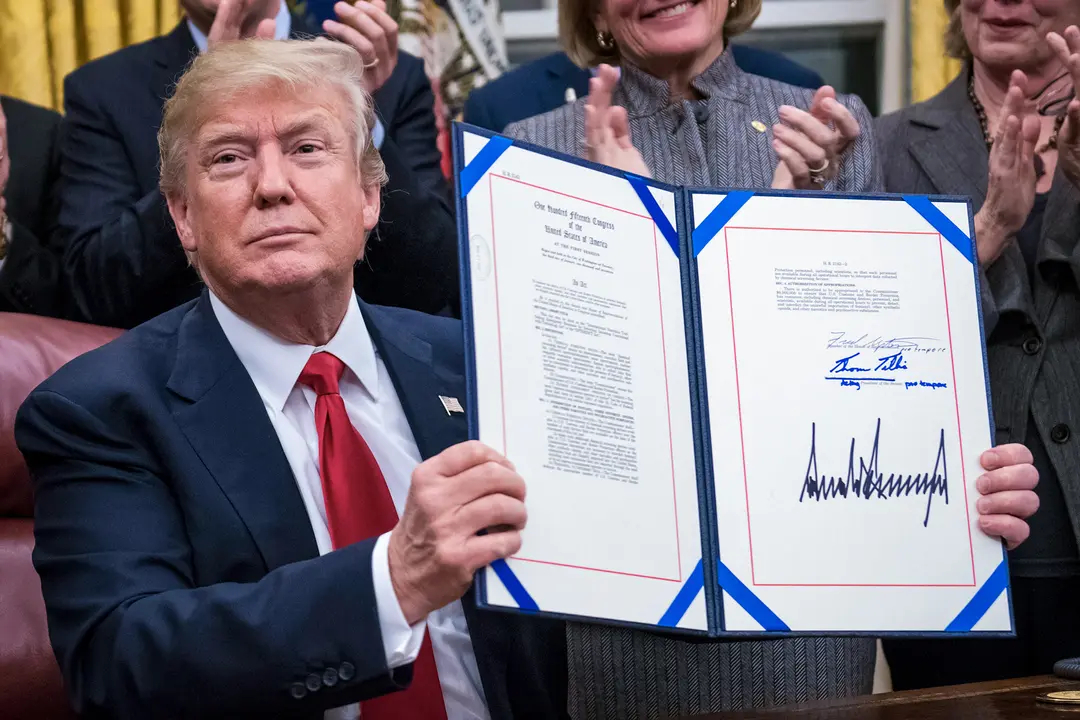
681, 111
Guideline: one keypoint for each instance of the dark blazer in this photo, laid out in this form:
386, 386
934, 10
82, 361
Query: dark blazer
540, 86
178, 565
1033, 333
30, 275
122, 257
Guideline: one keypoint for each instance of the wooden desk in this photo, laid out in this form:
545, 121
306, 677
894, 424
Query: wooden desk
1003, 700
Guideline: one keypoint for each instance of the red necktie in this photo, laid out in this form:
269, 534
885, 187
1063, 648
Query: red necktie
359, 506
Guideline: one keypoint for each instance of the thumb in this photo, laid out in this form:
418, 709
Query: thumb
1029, 133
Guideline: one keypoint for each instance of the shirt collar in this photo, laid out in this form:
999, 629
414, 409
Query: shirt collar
643, 94
283, 22
275, 364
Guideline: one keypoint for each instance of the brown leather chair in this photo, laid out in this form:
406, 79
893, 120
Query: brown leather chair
31, 349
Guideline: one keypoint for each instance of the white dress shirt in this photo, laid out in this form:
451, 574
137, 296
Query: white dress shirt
375, 411
282, 28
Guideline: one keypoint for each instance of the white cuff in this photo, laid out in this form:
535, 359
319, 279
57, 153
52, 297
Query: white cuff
400, 641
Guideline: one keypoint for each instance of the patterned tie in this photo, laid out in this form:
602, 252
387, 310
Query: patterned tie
359, 506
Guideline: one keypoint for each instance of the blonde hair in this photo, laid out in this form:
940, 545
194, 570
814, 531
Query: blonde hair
237, 67
955, 43
577, 31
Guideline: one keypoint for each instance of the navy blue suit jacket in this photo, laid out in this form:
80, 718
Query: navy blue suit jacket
180, 572
122, 258
540, 86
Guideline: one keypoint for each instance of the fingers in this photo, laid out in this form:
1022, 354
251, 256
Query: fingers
1007, 479
807, 124
1011, 529
376, 27
1018, 503
1070, 131
490, 478
817, 106
1008, 140
227, 22
350, 36
491, 511
620, 127
812, 154
482, 550
266, 30
1005, 456
1067, 49
846, 124
456, 459
793, 161
1029, 137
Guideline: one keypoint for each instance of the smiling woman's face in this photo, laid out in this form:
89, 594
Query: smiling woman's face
659, 33
1011, 34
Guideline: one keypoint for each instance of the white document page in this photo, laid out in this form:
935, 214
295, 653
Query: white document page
582, 382
848, 409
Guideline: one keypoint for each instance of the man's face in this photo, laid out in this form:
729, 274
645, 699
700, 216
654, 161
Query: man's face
274, 197
202, 12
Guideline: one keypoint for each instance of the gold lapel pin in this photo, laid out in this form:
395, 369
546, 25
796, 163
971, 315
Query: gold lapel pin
758, 125
451, 404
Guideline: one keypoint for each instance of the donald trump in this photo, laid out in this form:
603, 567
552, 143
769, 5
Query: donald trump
256, 505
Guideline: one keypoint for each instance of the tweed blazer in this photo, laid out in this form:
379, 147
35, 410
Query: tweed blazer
621, 673
1032, 329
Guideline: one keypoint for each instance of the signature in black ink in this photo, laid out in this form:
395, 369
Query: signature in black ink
869, 482
844, 341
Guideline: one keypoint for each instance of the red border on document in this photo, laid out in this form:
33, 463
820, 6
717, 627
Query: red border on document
667, 394
742, 444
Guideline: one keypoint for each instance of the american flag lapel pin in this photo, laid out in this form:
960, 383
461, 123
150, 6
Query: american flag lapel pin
451, 405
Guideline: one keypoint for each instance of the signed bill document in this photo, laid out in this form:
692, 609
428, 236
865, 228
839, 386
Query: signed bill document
736, 412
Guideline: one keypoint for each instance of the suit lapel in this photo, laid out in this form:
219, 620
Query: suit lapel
953, 155
420, 379
173, 52
223, 417
564, 74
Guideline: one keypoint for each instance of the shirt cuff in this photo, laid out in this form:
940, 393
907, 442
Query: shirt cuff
378, 133
401, 642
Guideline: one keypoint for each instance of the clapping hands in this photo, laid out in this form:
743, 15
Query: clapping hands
607, 129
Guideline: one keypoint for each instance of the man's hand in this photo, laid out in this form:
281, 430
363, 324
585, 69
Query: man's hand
434, 550
370, 30
1008, 493
1010, 192
234, 21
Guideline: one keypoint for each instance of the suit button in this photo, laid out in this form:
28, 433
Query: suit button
1032, 345
346, 672
330, 677
1060, 433
313, 682
298, 691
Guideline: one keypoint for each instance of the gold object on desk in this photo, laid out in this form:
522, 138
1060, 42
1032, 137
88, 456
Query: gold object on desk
1062, 697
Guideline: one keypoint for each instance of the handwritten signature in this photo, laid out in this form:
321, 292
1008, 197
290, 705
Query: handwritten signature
868, 482
889, 363
844, 341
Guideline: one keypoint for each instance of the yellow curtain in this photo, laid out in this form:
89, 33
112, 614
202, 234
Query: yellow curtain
931, 69
41, 41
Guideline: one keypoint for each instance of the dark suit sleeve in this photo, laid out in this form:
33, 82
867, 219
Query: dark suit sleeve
478, 111
122, 259
411, 258
411, 124
134, 636
30, 276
